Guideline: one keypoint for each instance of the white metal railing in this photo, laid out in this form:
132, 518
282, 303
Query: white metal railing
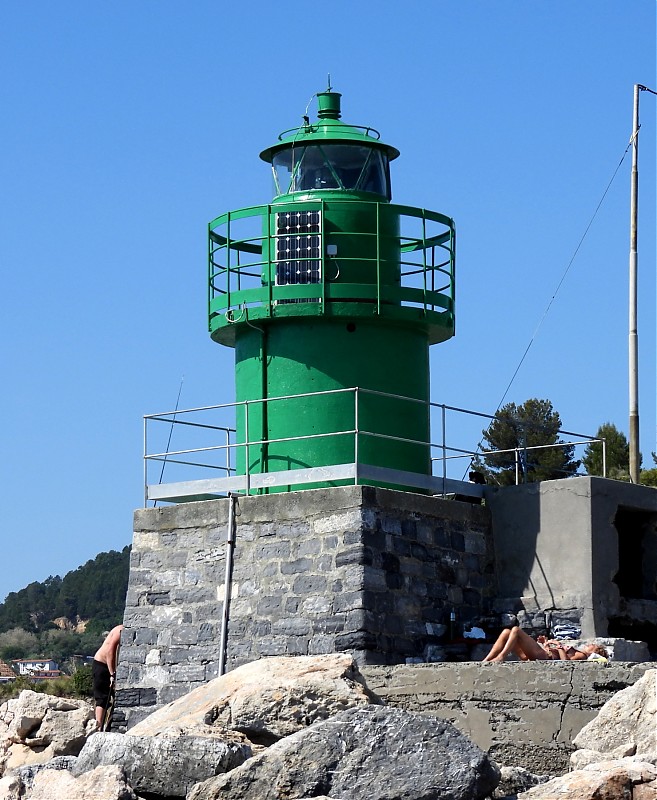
210, 448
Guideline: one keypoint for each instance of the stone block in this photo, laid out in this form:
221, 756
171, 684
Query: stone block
333, 624
298, 565
272, 646
309, 584
297, 645
272, 550
292, 626
268, 606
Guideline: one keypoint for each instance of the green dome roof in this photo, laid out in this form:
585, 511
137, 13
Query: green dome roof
328, 128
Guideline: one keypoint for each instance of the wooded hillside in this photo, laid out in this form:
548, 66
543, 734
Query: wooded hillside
93, 594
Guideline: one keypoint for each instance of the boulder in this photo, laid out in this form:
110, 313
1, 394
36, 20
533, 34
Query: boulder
582, 758
103, 783
11, 788
516, 779
606, 780
364, 753
28, 773
266, 699
625, 725
36, 727
162, 765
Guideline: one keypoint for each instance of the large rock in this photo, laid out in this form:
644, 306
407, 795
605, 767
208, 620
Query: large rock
266, 699
28, 773
367, 753
626, 725
104, 783
162, 765
36, 727
514, 780
11, 788
623, 779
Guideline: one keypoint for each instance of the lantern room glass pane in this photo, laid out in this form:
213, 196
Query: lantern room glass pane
348, 167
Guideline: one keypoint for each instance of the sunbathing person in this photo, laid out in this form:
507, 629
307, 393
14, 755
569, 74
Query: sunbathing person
521, 644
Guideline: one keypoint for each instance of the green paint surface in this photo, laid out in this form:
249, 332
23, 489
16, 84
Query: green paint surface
316, 355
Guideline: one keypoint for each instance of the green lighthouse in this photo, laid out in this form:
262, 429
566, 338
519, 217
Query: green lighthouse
331, 296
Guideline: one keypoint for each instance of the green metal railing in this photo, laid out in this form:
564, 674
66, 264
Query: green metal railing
215, 448
242, 264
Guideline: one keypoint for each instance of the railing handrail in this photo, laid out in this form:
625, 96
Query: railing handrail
449, 452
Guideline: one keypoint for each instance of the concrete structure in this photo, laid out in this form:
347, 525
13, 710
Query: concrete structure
521, 714
381, 574
584, 549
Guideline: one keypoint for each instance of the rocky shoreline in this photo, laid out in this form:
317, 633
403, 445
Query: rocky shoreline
306, 727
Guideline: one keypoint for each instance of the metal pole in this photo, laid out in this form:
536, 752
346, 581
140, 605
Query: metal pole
228, 578
633, 334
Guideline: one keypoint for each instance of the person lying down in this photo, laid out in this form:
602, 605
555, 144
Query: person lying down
521, 644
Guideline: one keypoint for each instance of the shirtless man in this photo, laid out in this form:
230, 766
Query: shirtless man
103, 670
515, 640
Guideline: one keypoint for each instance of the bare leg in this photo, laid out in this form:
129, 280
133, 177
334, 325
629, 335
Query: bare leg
99, 714
523, 646
499, 645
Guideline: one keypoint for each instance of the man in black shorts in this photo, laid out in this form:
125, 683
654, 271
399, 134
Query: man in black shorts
103, 670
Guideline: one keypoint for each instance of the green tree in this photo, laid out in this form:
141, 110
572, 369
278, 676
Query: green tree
82, 681
18, 643
648, 477
523, 428
617, 453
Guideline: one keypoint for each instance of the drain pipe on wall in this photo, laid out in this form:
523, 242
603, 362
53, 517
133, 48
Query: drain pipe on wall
228, 581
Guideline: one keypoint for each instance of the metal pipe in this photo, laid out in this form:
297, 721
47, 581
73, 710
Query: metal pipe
635, 456
228, 578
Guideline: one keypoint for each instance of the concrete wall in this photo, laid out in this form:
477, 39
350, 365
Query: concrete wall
557, 548
522, 714
371, 571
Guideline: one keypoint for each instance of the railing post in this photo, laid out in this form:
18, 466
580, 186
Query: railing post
356, 455
604, 458
516, 451
145, 465
246, 448
444, 426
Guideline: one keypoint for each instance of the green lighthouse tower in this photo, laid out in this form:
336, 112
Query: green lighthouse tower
331, 296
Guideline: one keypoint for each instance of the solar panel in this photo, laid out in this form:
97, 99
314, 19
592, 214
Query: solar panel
298, 256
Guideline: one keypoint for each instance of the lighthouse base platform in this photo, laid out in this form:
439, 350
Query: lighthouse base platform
391, 577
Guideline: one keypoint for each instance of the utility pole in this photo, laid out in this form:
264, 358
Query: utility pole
635, 456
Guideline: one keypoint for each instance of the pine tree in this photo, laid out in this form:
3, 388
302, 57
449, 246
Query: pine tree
617, 453
520, 431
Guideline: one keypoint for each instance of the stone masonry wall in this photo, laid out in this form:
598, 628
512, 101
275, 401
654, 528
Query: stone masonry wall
522, 714
371, 571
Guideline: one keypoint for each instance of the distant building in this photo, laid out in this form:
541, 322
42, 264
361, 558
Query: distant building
37, 669
7, 674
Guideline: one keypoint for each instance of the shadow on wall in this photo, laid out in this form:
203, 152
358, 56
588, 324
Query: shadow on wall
636, 577
516, 516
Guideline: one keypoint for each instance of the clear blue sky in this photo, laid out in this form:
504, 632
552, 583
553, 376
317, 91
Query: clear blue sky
127, 126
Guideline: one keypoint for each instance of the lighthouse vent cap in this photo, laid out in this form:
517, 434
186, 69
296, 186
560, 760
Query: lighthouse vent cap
328, 105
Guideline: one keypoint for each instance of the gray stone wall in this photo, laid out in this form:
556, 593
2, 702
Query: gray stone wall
522, 714
371, 571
